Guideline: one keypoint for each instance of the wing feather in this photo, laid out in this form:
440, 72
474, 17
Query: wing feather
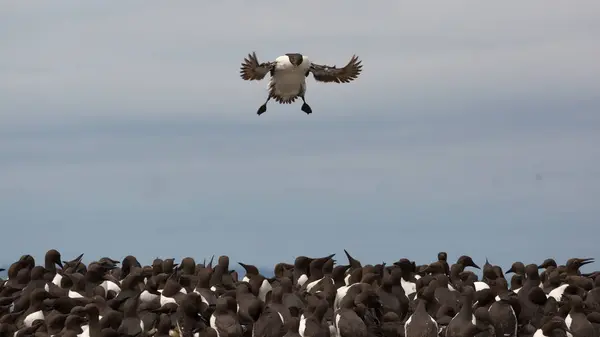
328, 74
252, 70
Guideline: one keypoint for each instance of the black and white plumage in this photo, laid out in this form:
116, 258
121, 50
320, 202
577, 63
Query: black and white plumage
328, 309
288, 76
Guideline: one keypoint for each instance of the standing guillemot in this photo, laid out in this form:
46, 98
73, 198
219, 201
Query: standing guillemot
443, 259
353, 265
66, 266
221, 275
316, 271
346, 321
225, 321
260, 285
577, 320
288, 76
408, 280
516, 281
34, 312
391, 294
465, 317
503, 314
313, 323
131, 325
51, 260
420, 323
301, 270
458, 268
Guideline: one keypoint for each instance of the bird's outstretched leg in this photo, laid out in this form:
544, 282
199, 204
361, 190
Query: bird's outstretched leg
305, 107
263, 107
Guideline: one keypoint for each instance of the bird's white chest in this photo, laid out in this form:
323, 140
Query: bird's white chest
312, 284
165, 299
56, 280
85, 331
146, 296
339, 295
213, 324
265, 287
302, 326
347, 279
74, 294
302, 279
204, 300
478, 286
109, 285
288, 82
569, 321
28, 321
557, 292
409, 287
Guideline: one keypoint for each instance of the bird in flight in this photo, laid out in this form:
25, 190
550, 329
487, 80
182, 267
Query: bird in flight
288, 76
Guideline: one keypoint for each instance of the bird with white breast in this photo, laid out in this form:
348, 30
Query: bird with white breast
288, 76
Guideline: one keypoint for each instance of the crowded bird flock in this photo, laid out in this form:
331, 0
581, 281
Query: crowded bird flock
311, 297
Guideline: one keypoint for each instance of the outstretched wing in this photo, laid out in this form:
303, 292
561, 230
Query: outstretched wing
252, 70
329, 74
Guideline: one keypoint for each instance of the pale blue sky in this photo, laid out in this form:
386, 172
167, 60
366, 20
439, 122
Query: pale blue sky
126, 129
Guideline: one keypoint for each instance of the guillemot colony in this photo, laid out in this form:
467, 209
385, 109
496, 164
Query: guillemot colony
309, 297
